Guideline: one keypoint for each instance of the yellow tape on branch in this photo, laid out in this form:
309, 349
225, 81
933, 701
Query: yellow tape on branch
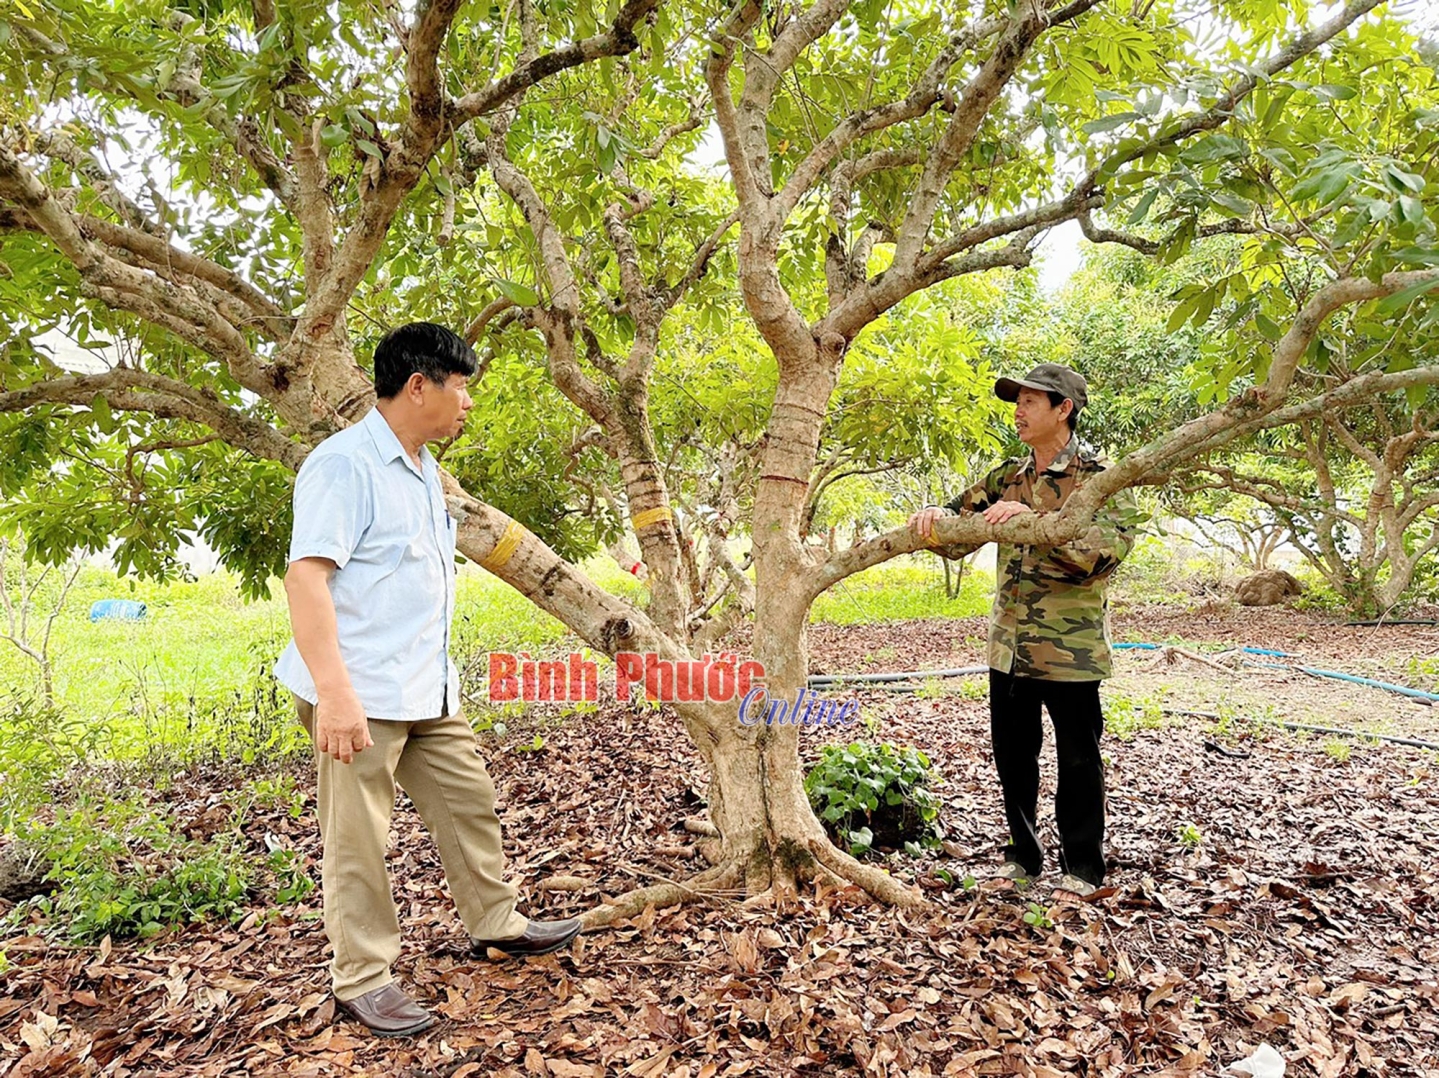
508, 544
652, 516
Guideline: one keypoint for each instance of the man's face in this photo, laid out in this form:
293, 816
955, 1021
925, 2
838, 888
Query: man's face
1037, 421
444, 407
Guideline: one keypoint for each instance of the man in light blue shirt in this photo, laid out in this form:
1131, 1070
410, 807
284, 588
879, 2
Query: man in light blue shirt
371, 588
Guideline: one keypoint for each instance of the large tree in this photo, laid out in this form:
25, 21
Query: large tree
309, 167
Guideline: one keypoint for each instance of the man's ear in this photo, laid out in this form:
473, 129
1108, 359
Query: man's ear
414, 385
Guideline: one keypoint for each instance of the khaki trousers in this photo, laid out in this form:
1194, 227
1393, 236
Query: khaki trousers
436, 763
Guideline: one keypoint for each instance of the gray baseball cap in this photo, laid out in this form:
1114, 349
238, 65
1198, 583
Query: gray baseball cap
1047, 378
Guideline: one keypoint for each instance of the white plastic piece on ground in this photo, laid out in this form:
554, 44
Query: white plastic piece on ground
1265, 1062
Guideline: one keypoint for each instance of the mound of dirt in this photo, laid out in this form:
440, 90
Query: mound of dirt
1268, 588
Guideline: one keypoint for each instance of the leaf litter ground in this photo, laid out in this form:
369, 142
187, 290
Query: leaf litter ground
1301, 912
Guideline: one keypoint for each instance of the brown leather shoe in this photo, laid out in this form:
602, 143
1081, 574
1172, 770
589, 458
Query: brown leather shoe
388, 1012
539, 937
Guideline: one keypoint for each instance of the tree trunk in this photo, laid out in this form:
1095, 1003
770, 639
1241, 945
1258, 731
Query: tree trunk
757, 799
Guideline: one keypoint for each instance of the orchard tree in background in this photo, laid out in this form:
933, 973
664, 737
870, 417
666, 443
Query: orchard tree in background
310, 174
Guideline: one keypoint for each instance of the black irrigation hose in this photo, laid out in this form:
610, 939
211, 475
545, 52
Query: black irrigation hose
1414, 742
1391, 621
820, 680
903, 681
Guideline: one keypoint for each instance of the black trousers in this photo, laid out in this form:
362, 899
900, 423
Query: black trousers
1017, 736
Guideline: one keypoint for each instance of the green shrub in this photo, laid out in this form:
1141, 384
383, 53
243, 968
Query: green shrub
119, 870
876, 797
117, 865
37, 743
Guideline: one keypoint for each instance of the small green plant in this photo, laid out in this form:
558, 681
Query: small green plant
1228, 717
1336, 748
276, 793
1189, 837
537, 744
1125, 716
932, 689
1037, 916
292, 882
872, 722
973, 689
876, 796
1422, 667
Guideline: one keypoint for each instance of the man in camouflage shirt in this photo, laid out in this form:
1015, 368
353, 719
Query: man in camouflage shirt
1048, 637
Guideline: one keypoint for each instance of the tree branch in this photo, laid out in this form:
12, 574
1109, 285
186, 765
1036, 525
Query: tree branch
1244, 415
189, 90
746, 164
128, 288
700, 263
617, 40
922, 97
492, 310
422, 72
312, 208
156, 255
89, 168
763, 71
1232, 227
979, 96
132, 390
693, 122
893, 286
401, 168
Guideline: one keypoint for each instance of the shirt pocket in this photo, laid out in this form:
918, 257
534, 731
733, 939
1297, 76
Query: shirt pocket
399, 537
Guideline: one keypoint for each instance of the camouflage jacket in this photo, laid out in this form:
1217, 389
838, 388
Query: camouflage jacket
1050, 615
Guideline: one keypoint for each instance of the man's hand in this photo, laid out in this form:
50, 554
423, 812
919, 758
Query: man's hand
999, 512
922, 523
341, 728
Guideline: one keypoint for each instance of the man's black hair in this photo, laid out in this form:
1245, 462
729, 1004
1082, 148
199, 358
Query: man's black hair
1055, 400
420, 348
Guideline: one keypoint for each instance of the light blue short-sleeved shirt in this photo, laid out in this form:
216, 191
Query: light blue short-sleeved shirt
361, 502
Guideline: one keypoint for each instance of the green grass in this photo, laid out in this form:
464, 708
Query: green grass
196, 671
192, 680
902, 589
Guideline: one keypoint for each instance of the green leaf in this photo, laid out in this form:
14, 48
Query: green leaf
1204, 306
1181, 314
100, 409
1422, 256
1402, 299
1141, 209
518, 294
1110, 123
1214, 148
1400, 180
1333, 184
1240, 206
1416, 396
369, 148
